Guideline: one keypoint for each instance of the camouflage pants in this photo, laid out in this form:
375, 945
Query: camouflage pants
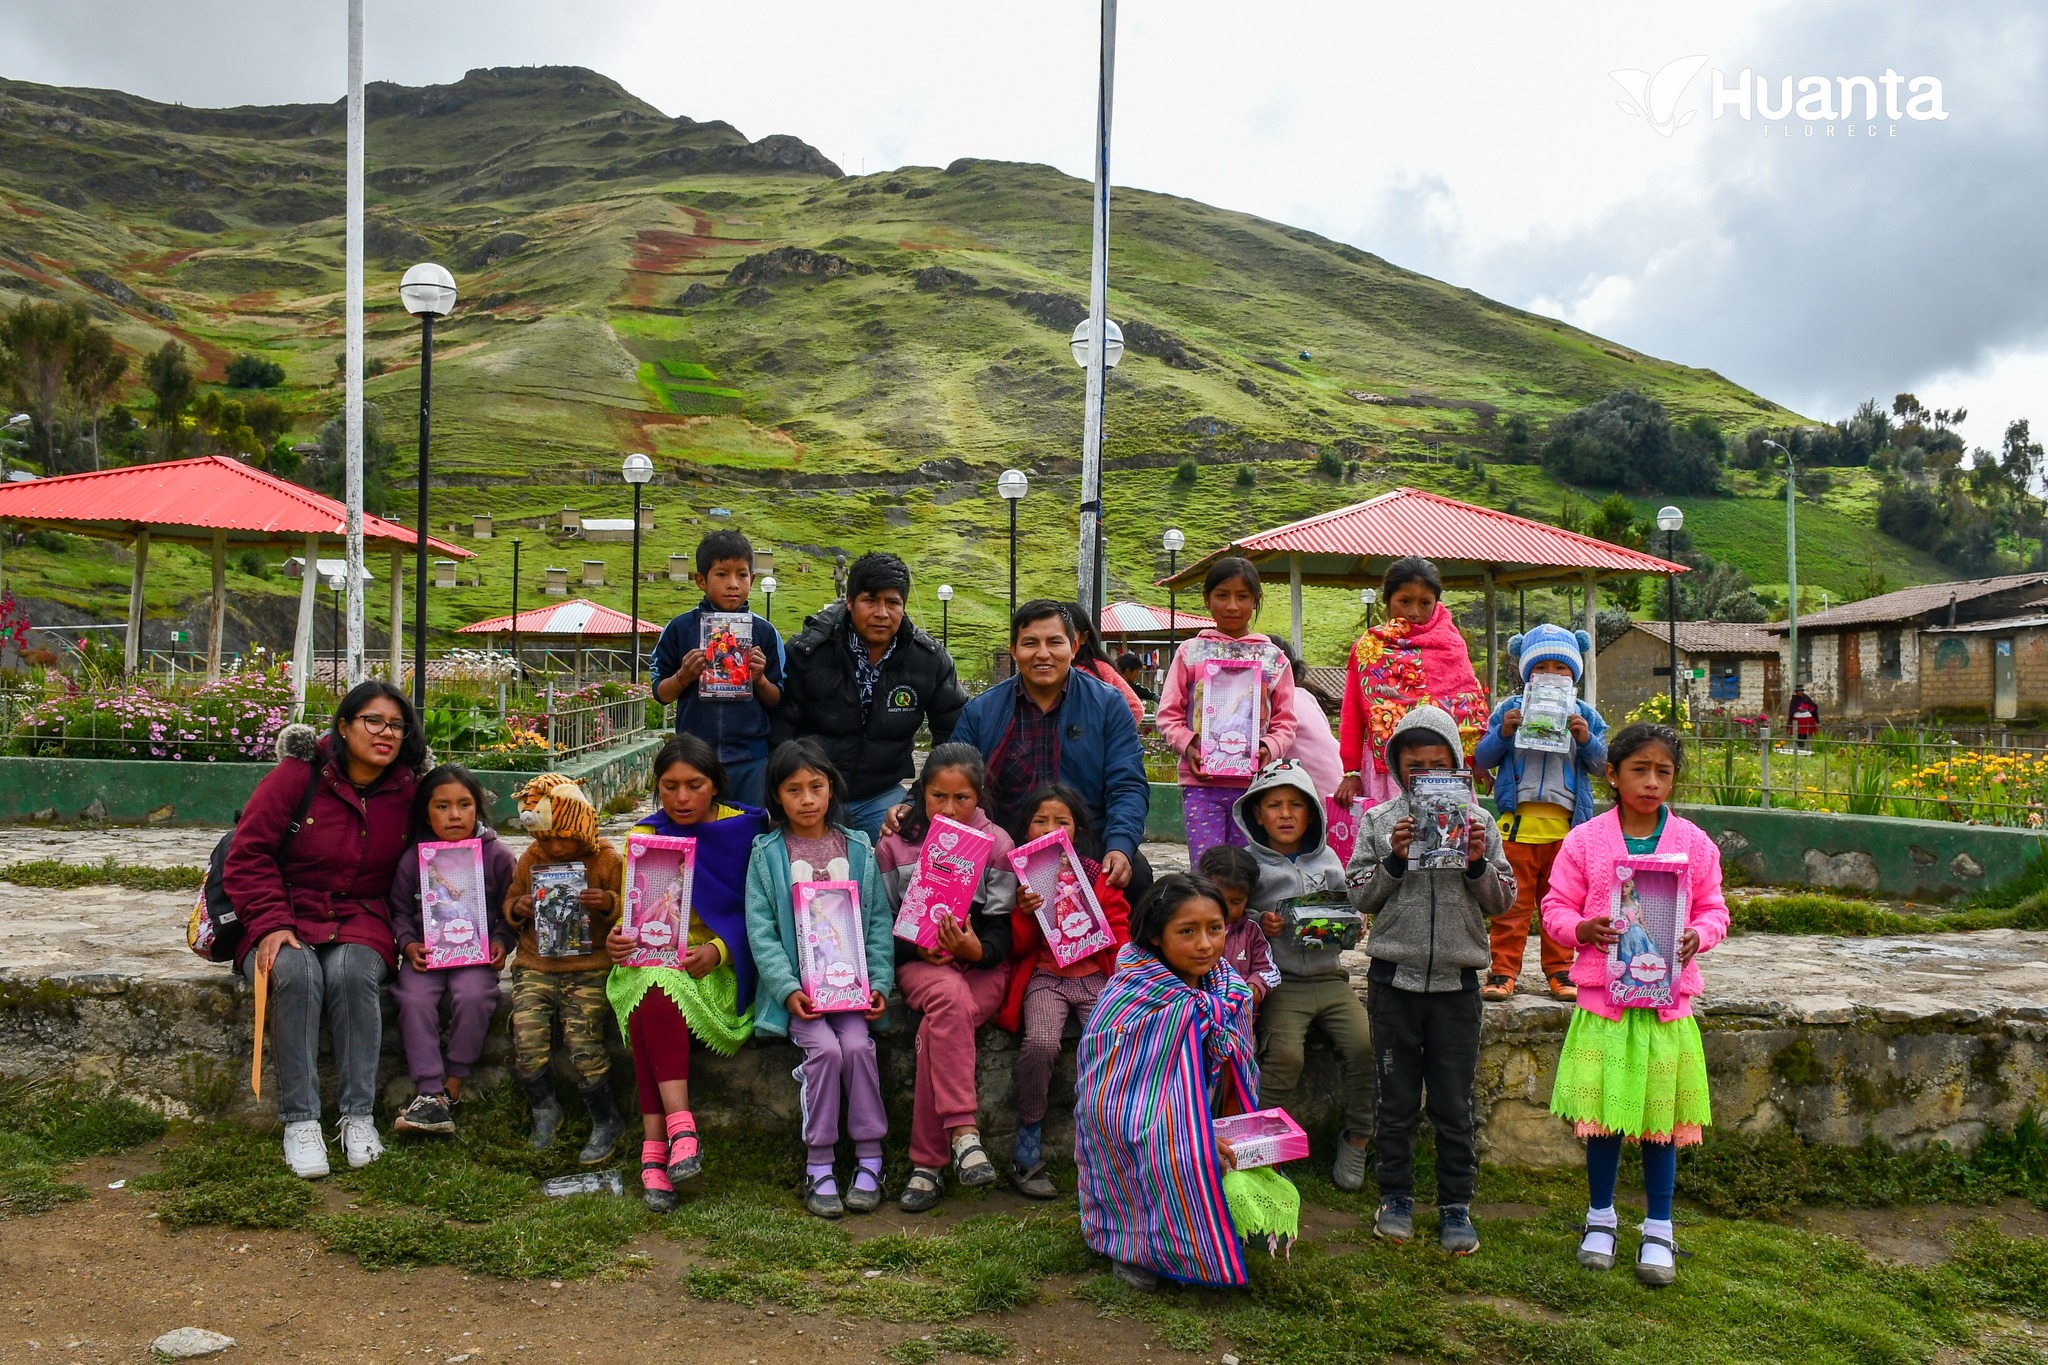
578, 1000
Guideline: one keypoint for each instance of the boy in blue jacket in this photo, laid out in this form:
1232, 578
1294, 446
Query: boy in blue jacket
736, 727
1540, 796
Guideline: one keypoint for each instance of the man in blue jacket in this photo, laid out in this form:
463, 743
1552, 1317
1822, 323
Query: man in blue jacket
1050, 722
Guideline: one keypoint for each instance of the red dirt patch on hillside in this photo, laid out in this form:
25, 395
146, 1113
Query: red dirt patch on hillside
157, 265
659, 253
25, 211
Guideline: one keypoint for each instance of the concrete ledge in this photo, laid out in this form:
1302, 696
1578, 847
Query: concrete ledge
113, 791
1905, 1040
1918, 859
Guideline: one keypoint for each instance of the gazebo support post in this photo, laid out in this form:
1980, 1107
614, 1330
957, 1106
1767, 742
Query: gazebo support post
397, 618
133, 657
1492, 641
302, 643
218, 614
1294, 600
1593, 654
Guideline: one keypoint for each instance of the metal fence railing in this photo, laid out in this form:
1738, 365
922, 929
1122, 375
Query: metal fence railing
1923, 774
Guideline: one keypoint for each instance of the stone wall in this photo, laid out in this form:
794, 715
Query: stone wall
1907, 1041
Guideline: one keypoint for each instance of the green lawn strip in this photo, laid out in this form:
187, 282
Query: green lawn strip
955, 1340
52, 874
48, 1123
1807, 913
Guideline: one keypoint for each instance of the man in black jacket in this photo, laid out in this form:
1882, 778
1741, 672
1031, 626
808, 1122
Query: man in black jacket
861, 679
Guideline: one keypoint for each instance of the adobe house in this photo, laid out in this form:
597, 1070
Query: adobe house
1976, 647
1740, 661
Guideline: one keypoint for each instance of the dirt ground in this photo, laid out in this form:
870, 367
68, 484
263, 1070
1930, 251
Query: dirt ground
99, 1280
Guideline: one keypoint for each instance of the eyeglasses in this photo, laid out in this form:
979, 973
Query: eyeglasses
378, 725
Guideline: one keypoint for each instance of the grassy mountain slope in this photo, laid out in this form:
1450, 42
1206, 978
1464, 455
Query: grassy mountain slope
628, 282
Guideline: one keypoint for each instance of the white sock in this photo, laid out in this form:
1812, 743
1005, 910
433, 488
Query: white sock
1652, 1254
1601, 1225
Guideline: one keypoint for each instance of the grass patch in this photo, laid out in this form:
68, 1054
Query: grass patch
1815, 914
51, 874
1741, 1176
966, 1341
47, 1123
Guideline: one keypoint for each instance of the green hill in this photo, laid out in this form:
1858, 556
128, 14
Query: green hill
840, 362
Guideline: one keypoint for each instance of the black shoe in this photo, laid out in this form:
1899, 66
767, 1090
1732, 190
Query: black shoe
426, 1114
606, 1127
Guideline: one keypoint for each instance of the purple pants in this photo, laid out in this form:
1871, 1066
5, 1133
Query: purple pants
1205, 811
1048, 1001
473, 999
839, 1063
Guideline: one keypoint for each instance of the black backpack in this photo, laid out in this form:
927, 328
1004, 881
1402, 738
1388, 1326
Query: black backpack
215, 929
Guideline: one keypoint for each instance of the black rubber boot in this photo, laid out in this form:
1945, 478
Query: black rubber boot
605, 1126
547, 1110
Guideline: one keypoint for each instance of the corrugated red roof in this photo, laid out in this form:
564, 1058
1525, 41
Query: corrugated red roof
577, 616
1136, 618
1356, 543
189, 500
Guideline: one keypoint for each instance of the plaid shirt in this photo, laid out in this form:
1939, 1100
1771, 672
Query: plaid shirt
866, 675
1028, 757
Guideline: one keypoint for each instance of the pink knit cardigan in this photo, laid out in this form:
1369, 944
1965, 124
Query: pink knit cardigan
1580, 883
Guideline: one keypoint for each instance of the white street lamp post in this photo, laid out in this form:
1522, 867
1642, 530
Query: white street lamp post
1174, 542
637, 470
946, 616
768, 586
1098, 359
1013, 485
1669, 520
1791, 561
428, 292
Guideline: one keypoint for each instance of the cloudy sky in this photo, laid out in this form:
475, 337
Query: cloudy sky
1816, 258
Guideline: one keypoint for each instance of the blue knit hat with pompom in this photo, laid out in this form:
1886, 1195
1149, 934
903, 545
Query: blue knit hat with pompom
1568, 647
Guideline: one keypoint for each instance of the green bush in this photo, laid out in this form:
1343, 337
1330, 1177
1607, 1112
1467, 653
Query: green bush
254, 372
1245, 476
1185, 473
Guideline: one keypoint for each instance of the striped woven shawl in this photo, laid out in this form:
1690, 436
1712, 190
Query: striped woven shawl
1151, 1058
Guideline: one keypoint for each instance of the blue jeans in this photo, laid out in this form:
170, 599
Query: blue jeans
744, 780
866, 814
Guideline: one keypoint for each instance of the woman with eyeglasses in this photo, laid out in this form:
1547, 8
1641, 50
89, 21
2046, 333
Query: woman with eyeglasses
308, 871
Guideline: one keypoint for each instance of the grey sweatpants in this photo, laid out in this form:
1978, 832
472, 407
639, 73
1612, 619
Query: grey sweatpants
341, 981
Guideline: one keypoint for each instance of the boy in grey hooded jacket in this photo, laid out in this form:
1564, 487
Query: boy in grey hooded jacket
1281, 816
1429, 945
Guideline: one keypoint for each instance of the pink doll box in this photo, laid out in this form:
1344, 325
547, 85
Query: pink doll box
949, 870
660, 873
1229, 737
831, 950
1264, 1137
1648, 905
454, 922
1073, 924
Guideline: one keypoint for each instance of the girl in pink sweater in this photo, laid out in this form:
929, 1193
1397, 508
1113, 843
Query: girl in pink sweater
1231, 595
1633, 1073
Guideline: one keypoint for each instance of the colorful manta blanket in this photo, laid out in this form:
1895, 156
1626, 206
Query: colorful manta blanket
1151, 1057
1400, 666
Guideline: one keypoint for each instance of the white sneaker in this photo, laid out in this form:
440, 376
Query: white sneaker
359, 1141
305, 1150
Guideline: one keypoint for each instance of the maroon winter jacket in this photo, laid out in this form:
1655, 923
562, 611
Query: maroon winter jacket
333, 884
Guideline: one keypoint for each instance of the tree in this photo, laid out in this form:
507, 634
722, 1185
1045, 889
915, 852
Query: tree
1614, 521
39, 340
96, 371
254, 372
168, 375
1626, 441
326, 471
1514, 439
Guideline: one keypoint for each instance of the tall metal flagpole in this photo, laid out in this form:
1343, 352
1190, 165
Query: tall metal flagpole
352, 360
1098, 310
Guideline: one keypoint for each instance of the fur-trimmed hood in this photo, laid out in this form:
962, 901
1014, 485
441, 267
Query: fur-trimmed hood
298, 741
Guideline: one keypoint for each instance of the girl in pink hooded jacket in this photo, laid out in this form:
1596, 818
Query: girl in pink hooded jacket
1633, 1073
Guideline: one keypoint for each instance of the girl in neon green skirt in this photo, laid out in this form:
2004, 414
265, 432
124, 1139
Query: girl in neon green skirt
1633, 1073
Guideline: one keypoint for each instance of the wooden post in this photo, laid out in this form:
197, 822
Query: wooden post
133, 657
1294, 600
1492, 679
218, 615
302, 643
398, 618
1592, 655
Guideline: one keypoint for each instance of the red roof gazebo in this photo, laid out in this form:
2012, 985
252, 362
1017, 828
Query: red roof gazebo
577, 620
216, 502
1475, 548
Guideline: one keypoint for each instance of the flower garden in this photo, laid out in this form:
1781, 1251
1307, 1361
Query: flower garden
237, 720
